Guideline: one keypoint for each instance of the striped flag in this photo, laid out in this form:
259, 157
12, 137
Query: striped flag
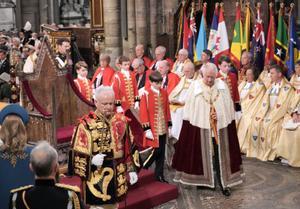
237, 41
222, 44
247, 27
211, 45
281, 38
201, 41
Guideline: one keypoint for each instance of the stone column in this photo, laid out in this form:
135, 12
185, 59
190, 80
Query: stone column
153, 23
168, 9
112, 29
141, 22
131, 29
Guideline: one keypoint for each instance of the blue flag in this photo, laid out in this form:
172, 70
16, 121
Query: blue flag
201, 41
213, 32
293, 49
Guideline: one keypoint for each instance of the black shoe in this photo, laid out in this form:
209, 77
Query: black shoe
226, 191
205, 188
162, 179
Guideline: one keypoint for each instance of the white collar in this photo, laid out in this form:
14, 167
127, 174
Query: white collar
223, 74
155, 90
81, 78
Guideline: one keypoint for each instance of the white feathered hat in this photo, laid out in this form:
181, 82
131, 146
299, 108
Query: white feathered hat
27, 26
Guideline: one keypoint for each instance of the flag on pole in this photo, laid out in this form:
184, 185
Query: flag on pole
192, 32
281, 38
222, 44
237, 41
258, 41
186, 31
247, 26
211, 45
271, 37
180, 27
201, 40
294, 45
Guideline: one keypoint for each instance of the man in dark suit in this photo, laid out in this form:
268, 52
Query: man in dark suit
5, 91
46, 193
4, 63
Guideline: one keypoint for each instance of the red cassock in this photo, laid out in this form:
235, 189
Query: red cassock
232, 83
84, 87
147, 61
126, 92
152, 65
149, 114
106, 77
173, 80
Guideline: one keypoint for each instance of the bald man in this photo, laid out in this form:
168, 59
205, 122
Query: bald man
179, 63
140, 53
160, 54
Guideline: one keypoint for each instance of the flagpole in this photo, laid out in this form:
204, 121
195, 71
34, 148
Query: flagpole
290, 16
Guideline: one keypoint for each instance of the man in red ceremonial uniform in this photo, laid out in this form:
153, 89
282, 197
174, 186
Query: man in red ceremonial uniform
101, 153
139, 53
160, 54
170, 80
82, 82
156, 121
125, 87
230, 79
104, 74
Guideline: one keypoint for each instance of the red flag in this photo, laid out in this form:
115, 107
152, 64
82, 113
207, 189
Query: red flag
186, 31
270, 38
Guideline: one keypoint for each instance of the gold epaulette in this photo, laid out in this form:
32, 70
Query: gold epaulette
69, 187
21, 188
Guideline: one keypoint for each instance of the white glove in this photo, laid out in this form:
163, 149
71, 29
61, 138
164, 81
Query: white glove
170, 131
133, 177
120, 109
97, 160
136, 105
149, 134
238, 115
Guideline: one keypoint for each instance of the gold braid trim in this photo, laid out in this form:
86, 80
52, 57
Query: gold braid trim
69, 187
76, 202
24, 201
21, 188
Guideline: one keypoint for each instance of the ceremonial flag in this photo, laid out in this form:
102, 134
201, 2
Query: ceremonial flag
191, 36
237, 41
186, 31
258, 41
281, 38
294, 45
247, 27
180, 28
222, 44
270, 38
201, 41
211, 45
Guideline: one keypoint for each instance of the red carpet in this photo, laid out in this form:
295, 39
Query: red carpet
146, 194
